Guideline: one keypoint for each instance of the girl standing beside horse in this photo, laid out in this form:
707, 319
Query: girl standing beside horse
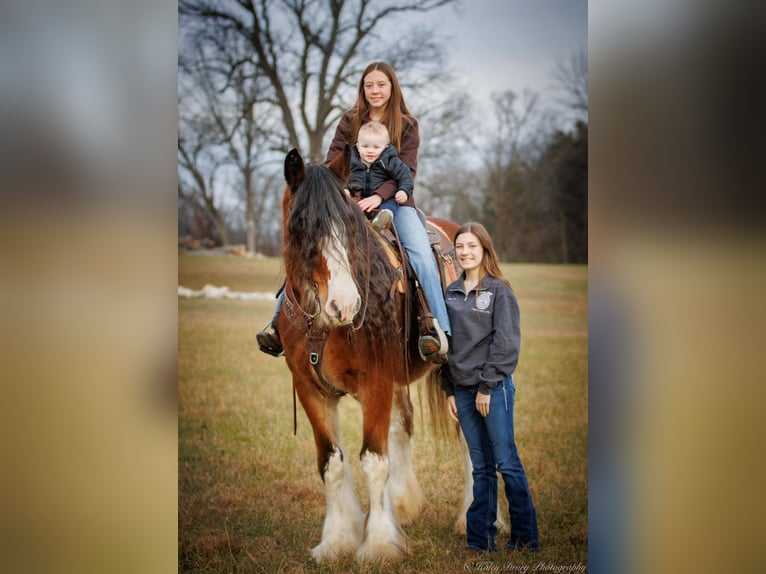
480, 392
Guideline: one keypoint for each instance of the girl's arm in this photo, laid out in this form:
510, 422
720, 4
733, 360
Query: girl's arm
503, 354
340, 139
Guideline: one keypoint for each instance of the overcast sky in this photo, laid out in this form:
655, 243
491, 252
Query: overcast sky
511, 44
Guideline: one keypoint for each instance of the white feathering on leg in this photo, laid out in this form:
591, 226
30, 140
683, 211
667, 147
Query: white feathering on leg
344, 521
406, 494
384, 537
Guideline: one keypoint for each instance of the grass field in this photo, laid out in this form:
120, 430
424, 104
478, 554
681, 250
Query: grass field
250, 498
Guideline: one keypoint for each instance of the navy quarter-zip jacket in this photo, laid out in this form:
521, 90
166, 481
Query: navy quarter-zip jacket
486, 335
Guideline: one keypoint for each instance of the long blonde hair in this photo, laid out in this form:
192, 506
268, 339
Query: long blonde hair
396, 113
489, 262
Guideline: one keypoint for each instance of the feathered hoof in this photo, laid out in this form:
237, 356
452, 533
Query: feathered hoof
408, 510
501, 525
327, 552
380, 552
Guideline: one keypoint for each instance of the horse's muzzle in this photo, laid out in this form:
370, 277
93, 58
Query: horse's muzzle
340, 314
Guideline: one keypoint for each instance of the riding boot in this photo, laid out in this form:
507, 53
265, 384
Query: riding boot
432, 343
268, 339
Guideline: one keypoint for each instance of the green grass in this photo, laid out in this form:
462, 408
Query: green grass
250, 496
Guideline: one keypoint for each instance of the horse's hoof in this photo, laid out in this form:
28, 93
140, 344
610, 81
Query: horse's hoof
335, 550
381, 552
408, 507
325, 551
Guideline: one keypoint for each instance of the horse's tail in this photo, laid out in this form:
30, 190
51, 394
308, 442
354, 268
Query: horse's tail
441, 424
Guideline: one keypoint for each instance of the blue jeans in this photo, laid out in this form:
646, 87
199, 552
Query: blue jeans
391, 205
492, 448
414, 238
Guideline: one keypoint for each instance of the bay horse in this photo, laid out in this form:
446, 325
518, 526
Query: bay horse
342, 331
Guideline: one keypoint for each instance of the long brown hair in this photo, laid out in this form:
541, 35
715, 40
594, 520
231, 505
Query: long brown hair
396, 110
489, 262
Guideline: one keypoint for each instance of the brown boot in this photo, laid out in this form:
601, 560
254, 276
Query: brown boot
433, 347
269, 342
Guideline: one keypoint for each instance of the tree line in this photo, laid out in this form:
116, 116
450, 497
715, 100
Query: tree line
257, 78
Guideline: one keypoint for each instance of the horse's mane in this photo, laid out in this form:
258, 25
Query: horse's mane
320, 209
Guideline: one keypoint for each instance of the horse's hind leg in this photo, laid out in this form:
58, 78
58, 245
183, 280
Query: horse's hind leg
384, 538
406, 494
344, 521
460, 519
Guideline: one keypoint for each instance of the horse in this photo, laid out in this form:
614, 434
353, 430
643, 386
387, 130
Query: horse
342, 326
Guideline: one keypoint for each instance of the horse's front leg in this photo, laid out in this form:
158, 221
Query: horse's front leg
384, 538
344, 521
406, 494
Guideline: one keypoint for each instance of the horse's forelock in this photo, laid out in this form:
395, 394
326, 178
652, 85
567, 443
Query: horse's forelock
320, 213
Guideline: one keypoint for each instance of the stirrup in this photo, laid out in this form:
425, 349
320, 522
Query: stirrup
432, 343
428, 348
269, 343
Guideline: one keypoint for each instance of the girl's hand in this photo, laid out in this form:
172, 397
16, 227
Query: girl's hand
401, 197
370, 203
482, 404
452, 406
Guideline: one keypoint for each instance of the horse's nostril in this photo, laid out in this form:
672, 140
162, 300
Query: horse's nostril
336, 310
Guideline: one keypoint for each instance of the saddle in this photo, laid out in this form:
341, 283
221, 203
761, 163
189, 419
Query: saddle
446, 262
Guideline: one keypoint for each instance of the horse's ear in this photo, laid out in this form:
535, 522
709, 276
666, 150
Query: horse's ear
341, 165
295, 169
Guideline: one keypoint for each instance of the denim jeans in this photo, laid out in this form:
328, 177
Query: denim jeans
414, 238
390, 204
492, 448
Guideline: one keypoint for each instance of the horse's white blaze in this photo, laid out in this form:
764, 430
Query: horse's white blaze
343, 298
344, 521
384, 537
406, 494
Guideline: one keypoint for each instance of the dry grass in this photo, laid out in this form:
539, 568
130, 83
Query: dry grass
250, 497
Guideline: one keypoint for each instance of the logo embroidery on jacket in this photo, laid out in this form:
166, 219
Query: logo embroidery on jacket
483, 300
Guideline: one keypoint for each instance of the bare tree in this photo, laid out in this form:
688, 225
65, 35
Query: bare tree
198, 165
571, 77
512, 209
447, 135
220, 89
310, 52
